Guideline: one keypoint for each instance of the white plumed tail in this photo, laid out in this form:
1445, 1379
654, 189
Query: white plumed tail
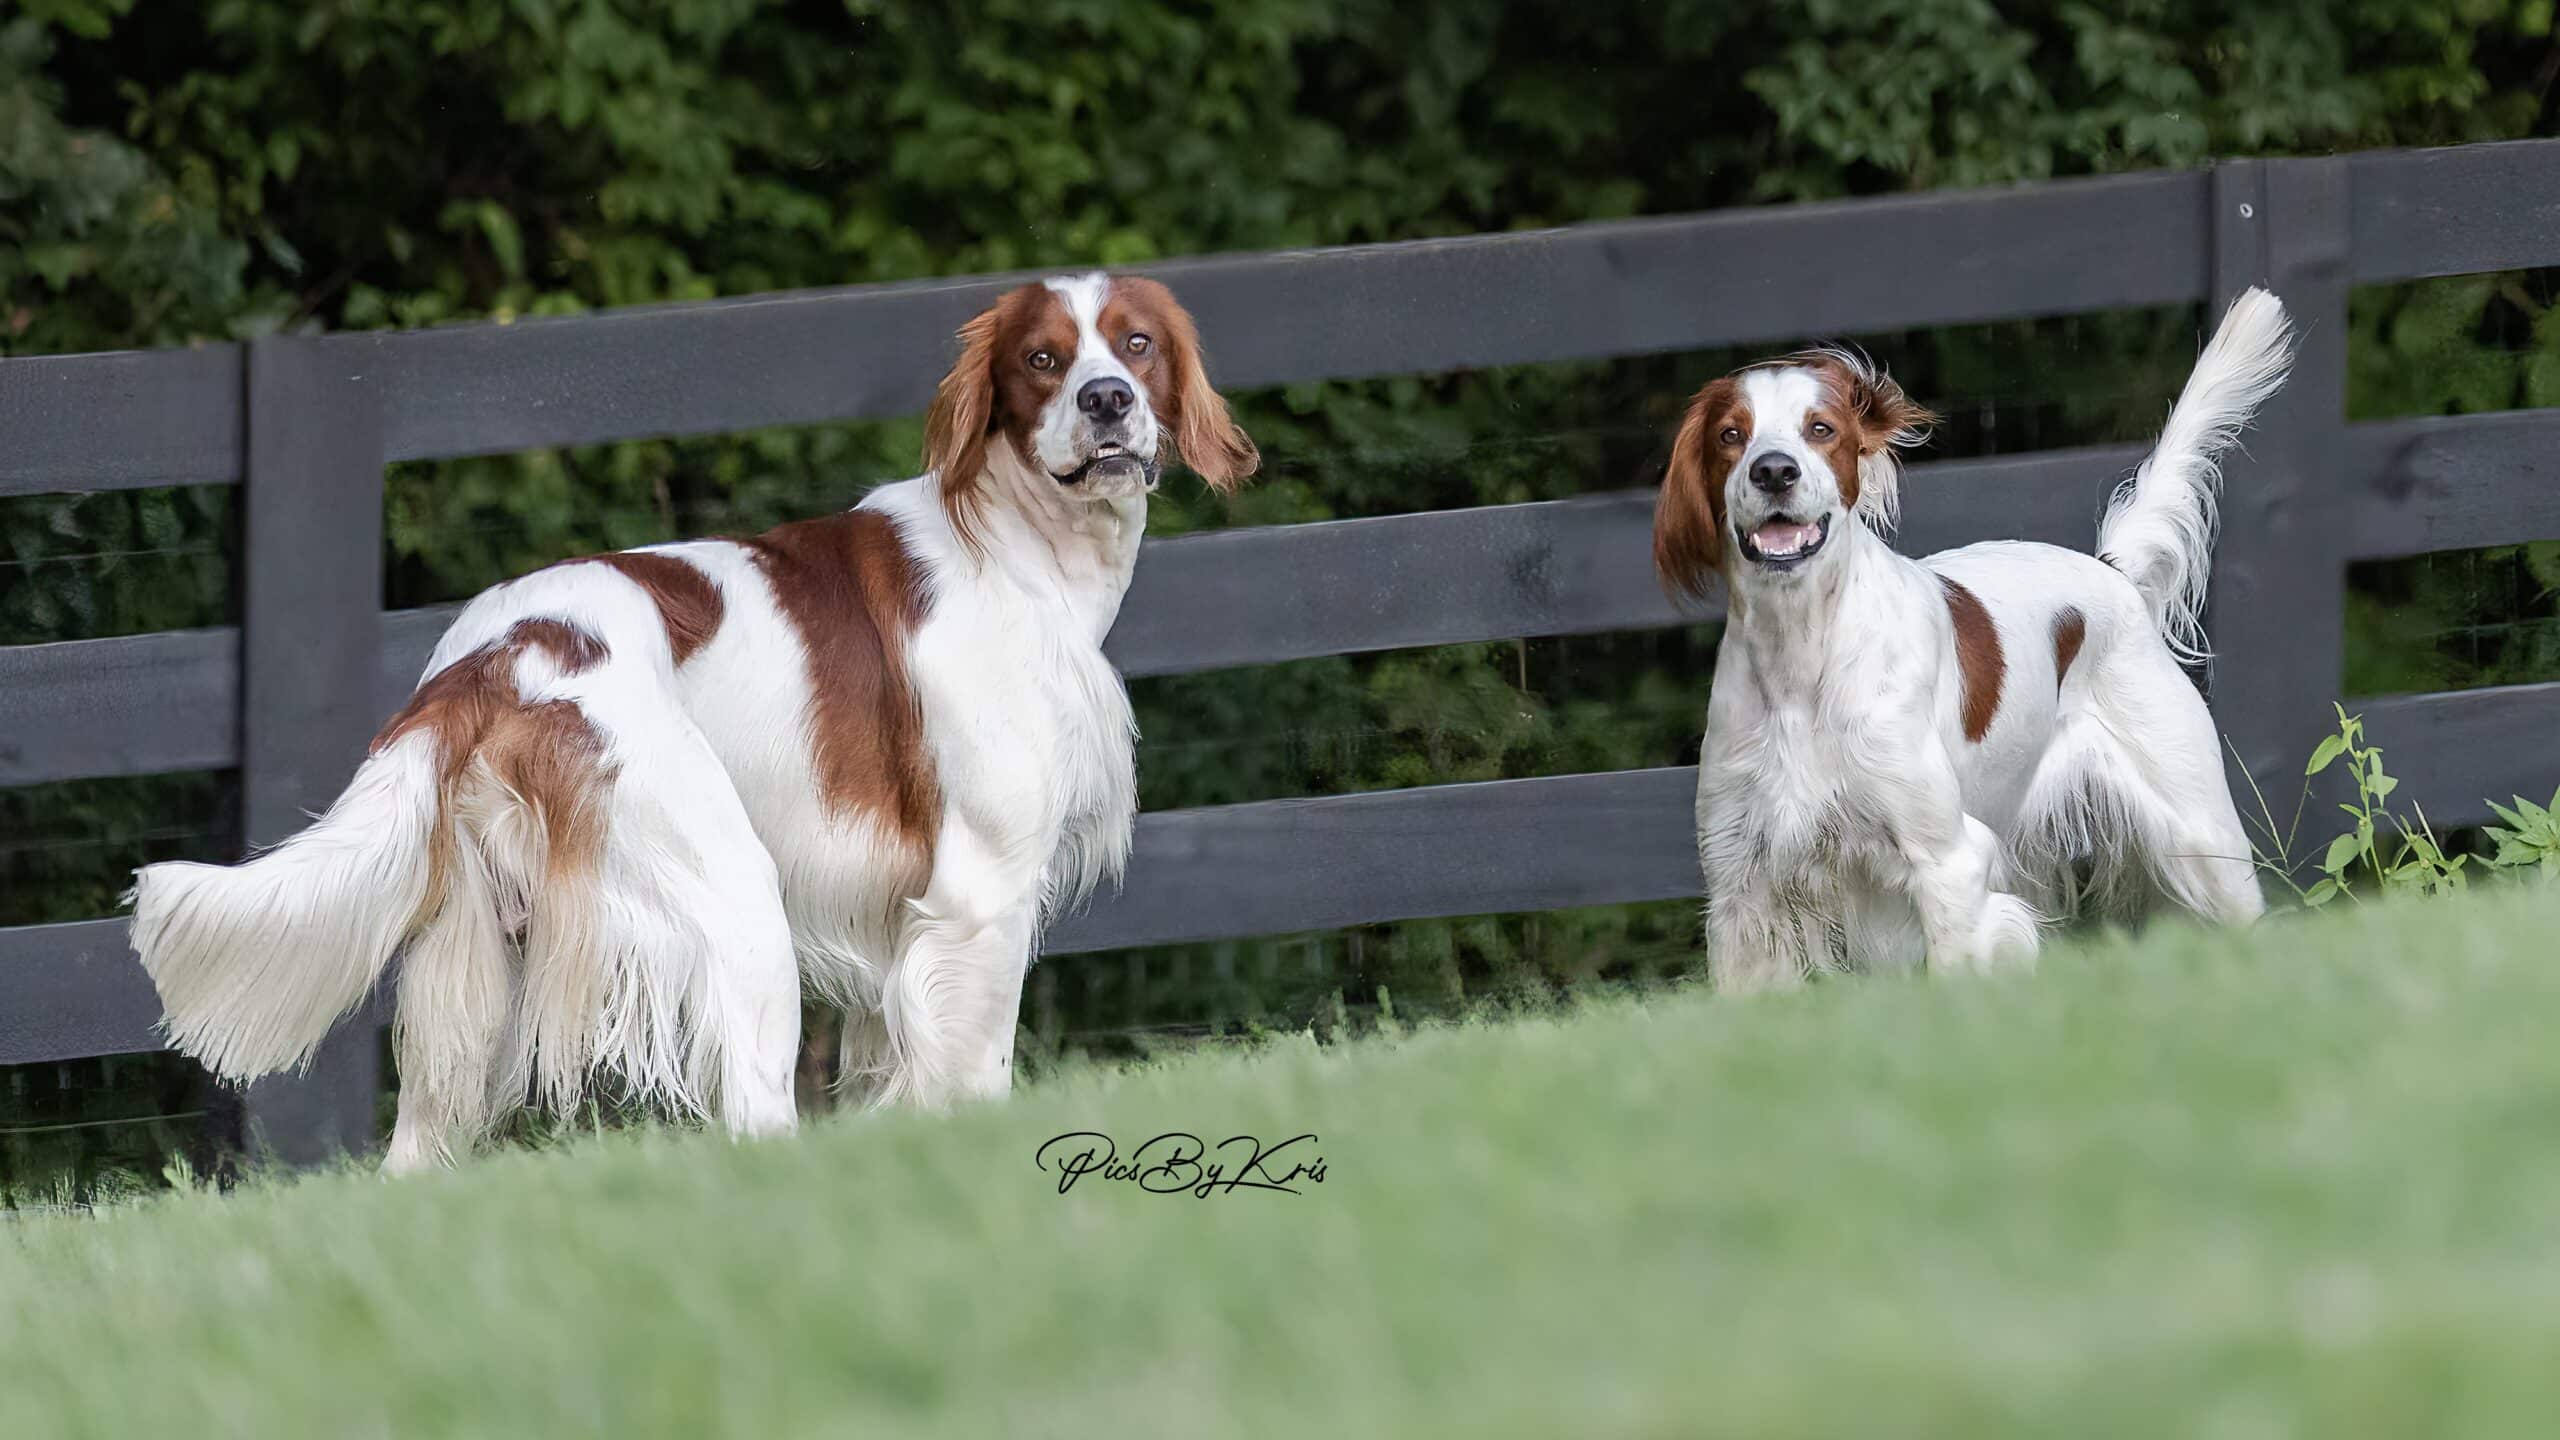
255, 961
2159, 528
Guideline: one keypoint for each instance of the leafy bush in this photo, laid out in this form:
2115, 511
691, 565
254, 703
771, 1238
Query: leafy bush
2398, 854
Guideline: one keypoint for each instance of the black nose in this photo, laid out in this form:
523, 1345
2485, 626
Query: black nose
1105, 399
1773, 473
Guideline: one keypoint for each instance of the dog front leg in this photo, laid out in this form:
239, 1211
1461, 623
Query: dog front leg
1755, 941
1954, 866
1969, 925
1752, 945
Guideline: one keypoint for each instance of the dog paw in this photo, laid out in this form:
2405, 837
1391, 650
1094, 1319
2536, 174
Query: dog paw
2006, 935
2009, 933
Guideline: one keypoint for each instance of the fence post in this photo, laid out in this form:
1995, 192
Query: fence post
2277, 608
310, 642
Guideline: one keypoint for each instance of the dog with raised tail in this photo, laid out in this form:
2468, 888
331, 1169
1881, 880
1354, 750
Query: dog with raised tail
1913, 761
638, 799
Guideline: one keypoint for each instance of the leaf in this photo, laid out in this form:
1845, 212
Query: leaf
2342, 853
2321, 758
2320, 894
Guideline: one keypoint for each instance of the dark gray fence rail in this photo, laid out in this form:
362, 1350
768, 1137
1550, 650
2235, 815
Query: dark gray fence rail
306, 425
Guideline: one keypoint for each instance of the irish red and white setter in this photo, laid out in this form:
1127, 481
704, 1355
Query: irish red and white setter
1909, 760
638, 799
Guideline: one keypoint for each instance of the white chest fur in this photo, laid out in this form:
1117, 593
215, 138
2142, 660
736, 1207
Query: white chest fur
1032, 735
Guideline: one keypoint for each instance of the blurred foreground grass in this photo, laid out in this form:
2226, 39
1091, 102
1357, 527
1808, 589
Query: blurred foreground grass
2302, 1182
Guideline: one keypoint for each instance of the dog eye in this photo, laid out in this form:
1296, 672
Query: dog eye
1043, 360
1731, 436
1821, 430
1139, 343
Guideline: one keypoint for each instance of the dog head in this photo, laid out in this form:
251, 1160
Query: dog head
1773, 459
1086, 381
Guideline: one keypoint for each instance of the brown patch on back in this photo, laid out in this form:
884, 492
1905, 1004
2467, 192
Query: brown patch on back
1977, 657
545, 753
570, 647
2070, 628
853, 592
689, 605
474, 689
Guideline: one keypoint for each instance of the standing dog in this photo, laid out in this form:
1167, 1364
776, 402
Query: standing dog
1902, 756
638, 798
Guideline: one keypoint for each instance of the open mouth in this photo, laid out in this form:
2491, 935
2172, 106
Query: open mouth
1112, 461
1782, 544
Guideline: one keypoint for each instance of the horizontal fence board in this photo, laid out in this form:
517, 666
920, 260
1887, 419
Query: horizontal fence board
1580, 292
1499, 846
1730, 277
120, 421
68, 992
1291, 592
133, 705
1561, 567
2457, 750
2457, 210
799, 358
2053, 496
2455, 482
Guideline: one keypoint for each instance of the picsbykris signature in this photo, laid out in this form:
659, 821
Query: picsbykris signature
1177, 1163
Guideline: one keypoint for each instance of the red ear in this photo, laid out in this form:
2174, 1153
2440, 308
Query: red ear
1204, 434
1688, 513
957, 423
1888, 418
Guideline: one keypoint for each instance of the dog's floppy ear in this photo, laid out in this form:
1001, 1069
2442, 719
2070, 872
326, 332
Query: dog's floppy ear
1887, 418
1206, 436
1888, 421
958, 422
1688, 513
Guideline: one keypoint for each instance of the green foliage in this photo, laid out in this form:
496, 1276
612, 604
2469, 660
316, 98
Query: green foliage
97, 248
2418, 864
2392, 853
2530, 838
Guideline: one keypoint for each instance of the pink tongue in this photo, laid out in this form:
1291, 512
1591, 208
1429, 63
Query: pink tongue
1783, 537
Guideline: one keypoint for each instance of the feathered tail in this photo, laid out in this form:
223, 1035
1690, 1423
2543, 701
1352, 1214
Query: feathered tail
2159, 528
254, 962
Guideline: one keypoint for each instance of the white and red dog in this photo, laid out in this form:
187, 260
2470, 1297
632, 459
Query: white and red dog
1907, 759
637, 799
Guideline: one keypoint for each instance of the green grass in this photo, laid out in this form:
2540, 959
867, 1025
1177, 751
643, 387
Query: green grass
2304, 1182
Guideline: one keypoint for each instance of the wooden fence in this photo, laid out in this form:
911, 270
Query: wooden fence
305, 426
